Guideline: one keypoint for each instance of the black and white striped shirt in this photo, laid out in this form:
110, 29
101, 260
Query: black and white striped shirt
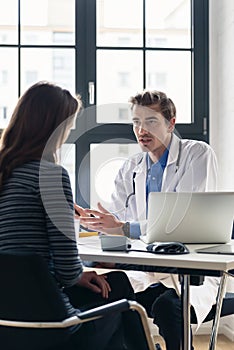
36, 215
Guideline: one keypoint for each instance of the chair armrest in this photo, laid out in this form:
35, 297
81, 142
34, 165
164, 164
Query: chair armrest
116, 306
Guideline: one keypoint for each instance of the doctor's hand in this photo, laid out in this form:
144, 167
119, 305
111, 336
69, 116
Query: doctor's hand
96, 283
101, 220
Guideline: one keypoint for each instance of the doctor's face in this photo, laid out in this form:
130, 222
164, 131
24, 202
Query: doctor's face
152, 130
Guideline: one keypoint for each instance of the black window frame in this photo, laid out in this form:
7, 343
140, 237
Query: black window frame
87, 129
92, 132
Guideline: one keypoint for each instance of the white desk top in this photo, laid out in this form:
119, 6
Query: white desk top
90, 250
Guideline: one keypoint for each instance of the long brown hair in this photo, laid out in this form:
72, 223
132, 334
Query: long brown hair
37, 115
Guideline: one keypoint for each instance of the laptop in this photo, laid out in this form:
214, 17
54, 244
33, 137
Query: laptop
223, 249
197, 217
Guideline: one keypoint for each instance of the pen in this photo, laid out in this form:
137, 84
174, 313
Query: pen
77, 213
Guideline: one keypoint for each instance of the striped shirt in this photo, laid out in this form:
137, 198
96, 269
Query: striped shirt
36, 215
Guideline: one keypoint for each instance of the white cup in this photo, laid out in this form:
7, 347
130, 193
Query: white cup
77, 227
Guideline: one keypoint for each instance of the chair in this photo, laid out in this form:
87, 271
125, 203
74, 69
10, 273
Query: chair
227, 309
32, 312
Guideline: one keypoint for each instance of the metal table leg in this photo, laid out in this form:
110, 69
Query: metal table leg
221, 293
185, 299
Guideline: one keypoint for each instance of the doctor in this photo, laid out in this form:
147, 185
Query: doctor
167, 163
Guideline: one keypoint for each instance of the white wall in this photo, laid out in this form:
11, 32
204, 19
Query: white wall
222, 104
222, 88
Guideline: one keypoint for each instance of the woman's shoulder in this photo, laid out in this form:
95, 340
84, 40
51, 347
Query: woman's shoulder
31, 168
45, 165
52, 173
36, 170
35, 166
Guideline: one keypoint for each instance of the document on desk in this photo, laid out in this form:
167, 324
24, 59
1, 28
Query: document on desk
89, 241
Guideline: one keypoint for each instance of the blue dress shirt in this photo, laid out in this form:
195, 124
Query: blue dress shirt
153, 184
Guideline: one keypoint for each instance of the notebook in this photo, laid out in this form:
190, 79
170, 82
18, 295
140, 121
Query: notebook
198, 217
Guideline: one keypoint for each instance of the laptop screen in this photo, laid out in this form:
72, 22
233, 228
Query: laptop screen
190, 217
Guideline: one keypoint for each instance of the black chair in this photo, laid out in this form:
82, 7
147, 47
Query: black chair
32, 312
227, 309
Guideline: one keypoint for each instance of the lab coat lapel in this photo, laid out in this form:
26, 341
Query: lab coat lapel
141, 171
169, 171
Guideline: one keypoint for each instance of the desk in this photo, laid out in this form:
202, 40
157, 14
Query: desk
187, 265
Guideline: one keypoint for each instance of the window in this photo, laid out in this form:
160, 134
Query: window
3, 112
3, 77
157, 79
30, 77
162, 45
123, 78
107, 50
3, 116
160, 41
123, 114
41, 48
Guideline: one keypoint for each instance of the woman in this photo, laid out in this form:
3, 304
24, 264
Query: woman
36, 209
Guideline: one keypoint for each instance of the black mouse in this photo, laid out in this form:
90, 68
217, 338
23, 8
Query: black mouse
168, 248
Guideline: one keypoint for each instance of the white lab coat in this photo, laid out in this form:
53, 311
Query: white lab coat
197, 172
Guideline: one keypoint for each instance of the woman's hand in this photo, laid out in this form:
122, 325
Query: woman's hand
102, 221
96, 283
79, 211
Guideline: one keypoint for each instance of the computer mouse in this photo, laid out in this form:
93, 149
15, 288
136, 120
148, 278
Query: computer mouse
168, 248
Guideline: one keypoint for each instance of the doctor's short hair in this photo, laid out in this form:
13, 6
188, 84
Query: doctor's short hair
156, 100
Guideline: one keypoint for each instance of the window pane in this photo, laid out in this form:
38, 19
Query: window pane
8, 21
119, 23
168, 23
55, 65
114, 113
117, 80
162, 75
48, 22
105, 161
8, 84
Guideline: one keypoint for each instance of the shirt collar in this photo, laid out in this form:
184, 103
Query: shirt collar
162, 160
